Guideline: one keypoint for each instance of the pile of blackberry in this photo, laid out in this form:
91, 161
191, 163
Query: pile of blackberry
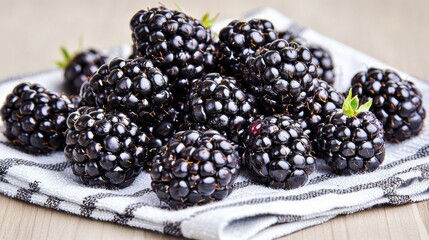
194, 109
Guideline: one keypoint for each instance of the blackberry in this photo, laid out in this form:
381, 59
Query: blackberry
80, 68
281, 76
321, 57
35, 119
239, 40
278, 152
397, 103
140, 89
105, 148
217, 103
176, 43
283, 79
351, 139
194, 168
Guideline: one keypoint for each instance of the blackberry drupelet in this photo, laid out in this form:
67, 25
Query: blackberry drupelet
278, 152
217, 103
239, 40
140, 89
105, 148
321, 57
351, 139
35, 119
176, 43
194, 168
81, 67
397, 103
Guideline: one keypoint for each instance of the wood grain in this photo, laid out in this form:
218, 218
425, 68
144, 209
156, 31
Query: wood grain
393, 31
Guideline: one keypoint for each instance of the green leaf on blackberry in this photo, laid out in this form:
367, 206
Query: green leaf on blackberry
68, 56
347, 109
67, 59
207, 21
365, 107
351, 105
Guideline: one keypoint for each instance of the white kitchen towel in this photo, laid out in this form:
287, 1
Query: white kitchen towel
252, 211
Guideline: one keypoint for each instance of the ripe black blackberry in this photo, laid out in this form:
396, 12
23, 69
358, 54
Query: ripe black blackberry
80, 67
278, 152
104, 148
321, 57
140, 89
176, 43
194, 168
351, 139
215, 102
282, 78
35, 119
397, 103
239, 40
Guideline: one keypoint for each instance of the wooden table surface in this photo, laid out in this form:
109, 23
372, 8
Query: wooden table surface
394, 31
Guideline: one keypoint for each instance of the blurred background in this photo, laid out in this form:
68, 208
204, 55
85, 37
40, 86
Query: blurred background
32, 32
